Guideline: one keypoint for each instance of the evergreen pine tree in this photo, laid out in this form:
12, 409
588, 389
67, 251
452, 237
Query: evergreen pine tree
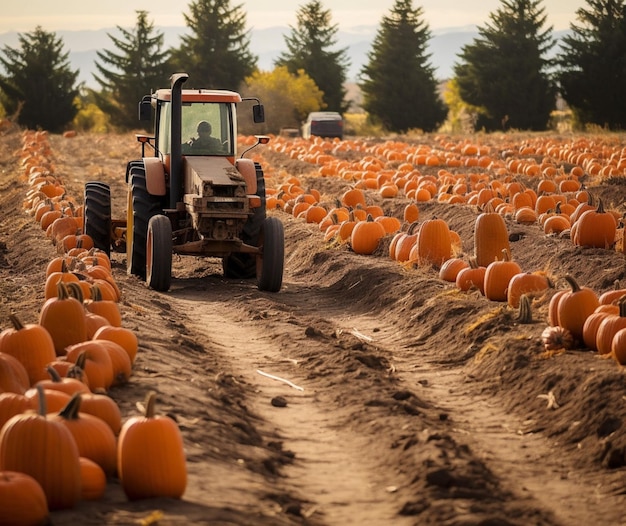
504, 70
217, 52
398, 83
592, 62
310, 48
127, 76
39, 84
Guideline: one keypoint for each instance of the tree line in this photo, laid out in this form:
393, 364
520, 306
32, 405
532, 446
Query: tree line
502, 80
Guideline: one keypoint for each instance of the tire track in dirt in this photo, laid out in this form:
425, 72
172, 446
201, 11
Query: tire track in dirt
334, 470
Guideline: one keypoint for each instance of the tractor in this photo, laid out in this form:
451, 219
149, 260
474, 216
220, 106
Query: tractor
192, 197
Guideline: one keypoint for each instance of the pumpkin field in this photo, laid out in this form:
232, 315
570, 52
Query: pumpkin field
447, 347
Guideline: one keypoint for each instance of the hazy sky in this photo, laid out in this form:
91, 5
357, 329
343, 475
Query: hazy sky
55, 15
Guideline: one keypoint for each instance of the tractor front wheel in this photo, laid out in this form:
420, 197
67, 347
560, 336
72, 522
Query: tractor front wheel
270, 261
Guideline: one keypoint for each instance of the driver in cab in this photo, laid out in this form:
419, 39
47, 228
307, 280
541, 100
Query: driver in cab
204, 143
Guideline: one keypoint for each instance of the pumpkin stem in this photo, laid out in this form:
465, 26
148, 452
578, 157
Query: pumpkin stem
525, 313
81, 360
75, 291
17, 324
622, 306
70, 411
62, 292
150, 403
572, 283
600, 207
54, 374
96, 293
43, 406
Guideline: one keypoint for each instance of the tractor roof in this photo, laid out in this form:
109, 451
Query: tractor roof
200, 95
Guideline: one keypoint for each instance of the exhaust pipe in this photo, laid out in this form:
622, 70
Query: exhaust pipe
176, 185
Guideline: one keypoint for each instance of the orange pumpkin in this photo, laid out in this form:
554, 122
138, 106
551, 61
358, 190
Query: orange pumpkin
33, 444
526, 283
450, 269
471, 278
93, 436
434, 245
498, 276
151, 459
595, 228
366, 236
574, 307
64, 318
22, 500
31, 344
491, 238
93, 480
608, 327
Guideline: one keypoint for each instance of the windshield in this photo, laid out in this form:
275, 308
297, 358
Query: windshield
206, 129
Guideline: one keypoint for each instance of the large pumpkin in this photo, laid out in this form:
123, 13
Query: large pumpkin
64, 318
93, 436
491, 238
150, 456
44, 449
434, 245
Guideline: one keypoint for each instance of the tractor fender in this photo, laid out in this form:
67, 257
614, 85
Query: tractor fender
155, 176
248, 171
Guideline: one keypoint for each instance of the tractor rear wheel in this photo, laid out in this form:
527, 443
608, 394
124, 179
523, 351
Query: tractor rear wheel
141, 207
240, 265
270, 261
97, 214
159, 253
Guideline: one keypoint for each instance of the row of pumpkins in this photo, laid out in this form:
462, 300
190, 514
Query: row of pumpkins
578, 316
61, 435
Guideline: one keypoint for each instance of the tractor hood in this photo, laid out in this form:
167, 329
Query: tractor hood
204, 175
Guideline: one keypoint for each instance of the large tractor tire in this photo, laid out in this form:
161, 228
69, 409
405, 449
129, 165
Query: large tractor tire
271, 260
159, 253
240, 265
141, 207
97, 214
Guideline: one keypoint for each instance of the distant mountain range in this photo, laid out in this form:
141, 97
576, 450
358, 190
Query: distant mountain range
267, 44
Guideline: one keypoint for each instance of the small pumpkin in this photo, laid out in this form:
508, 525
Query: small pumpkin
31, 344
22, 500
471, 278
451, 267
366, 236
498, 276
608, 327
526, 283
574, 307
93, 480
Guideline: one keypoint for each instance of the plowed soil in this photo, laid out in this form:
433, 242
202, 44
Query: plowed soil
408, 403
